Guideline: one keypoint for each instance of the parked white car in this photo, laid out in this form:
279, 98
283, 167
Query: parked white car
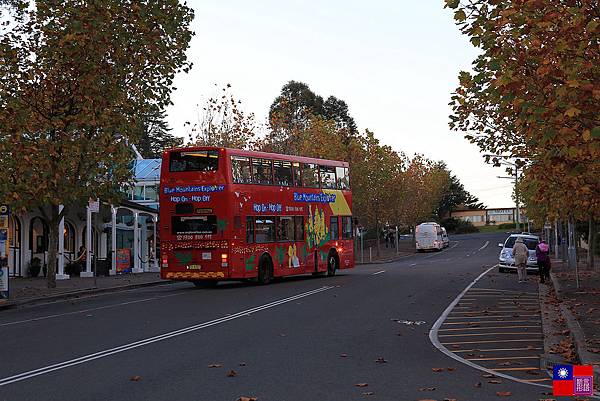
429, 236
445, 238
506, 259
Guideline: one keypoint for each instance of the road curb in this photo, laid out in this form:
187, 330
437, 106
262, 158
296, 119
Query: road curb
79, 294
383, 261
585, 357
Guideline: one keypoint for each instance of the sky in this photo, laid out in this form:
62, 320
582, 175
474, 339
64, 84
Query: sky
395, 63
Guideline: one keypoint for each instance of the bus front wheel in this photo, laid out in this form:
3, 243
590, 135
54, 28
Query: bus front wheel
265, 271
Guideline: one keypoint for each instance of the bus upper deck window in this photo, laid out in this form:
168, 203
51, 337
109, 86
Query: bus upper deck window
343, 179
283, 173
262, 171
327, 177
240, 169
200, 160
310, 175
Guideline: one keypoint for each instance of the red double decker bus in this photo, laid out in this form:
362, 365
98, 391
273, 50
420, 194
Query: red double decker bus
229, 214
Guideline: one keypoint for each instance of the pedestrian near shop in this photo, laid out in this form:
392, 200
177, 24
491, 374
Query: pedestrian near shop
542, 253
520, 253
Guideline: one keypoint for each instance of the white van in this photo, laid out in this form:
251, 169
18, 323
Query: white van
429, 236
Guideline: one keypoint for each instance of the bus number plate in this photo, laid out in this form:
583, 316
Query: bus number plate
194, 267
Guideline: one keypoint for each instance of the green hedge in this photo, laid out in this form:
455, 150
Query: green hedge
458, 226
507, 226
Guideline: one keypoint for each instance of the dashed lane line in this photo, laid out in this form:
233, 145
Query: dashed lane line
379, 272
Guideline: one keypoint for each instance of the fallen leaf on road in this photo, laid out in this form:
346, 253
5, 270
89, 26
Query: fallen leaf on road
361, 384
478, 384
449, 399
503, 393
368, 393
343, 355
242, 364
215, 365
247, 399
136, 378
450, 369
427, 399
232, 373
437, 369
427, 389
494, 381
380, 360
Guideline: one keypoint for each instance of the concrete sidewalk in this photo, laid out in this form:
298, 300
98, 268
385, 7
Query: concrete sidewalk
34, 290
580, 308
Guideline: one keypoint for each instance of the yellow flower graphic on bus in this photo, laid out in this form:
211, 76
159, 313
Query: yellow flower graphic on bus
316, 228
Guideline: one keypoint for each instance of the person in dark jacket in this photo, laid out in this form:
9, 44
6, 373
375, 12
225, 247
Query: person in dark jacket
542, 253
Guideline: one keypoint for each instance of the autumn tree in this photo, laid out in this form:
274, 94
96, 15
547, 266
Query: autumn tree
154, 135
221, 121
75, 78
534, 94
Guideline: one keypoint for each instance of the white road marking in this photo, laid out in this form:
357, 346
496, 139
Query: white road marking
485, 246
379, 272
413, 265
36, 319
126, 347
442, 251
433, 337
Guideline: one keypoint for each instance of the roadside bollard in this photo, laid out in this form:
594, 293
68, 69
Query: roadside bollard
370, 254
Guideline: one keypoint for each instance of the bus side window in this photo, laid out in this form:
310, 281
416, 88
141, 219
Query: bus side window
264, 229
262, 171
240, 170
347, 227
343, 179
283, 173
249, 230
297, 172
334, 228
285, 228
310, 175
327, 177
299, 228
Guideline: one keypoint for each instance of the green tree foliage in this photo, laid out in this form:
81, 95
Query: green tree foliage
292, 112
455, 197
75, 77
155, 135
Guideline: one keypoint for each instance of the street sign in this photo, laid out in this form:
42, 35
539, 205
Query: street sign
94, 205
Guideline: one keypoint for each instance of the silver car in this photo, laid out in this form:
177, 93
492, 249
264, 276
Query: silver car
506, 259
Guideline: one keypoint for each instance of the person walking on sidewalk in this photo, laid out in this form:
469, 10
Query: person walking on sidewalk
542, 253
520, 253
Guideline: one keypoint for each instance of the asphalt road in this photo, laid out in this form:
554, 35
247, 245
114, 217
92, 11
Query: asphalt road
296, 339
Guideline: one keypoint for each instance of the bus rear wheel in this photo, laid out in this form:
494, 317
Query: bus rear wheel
205, 283
265, 271
332, 264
